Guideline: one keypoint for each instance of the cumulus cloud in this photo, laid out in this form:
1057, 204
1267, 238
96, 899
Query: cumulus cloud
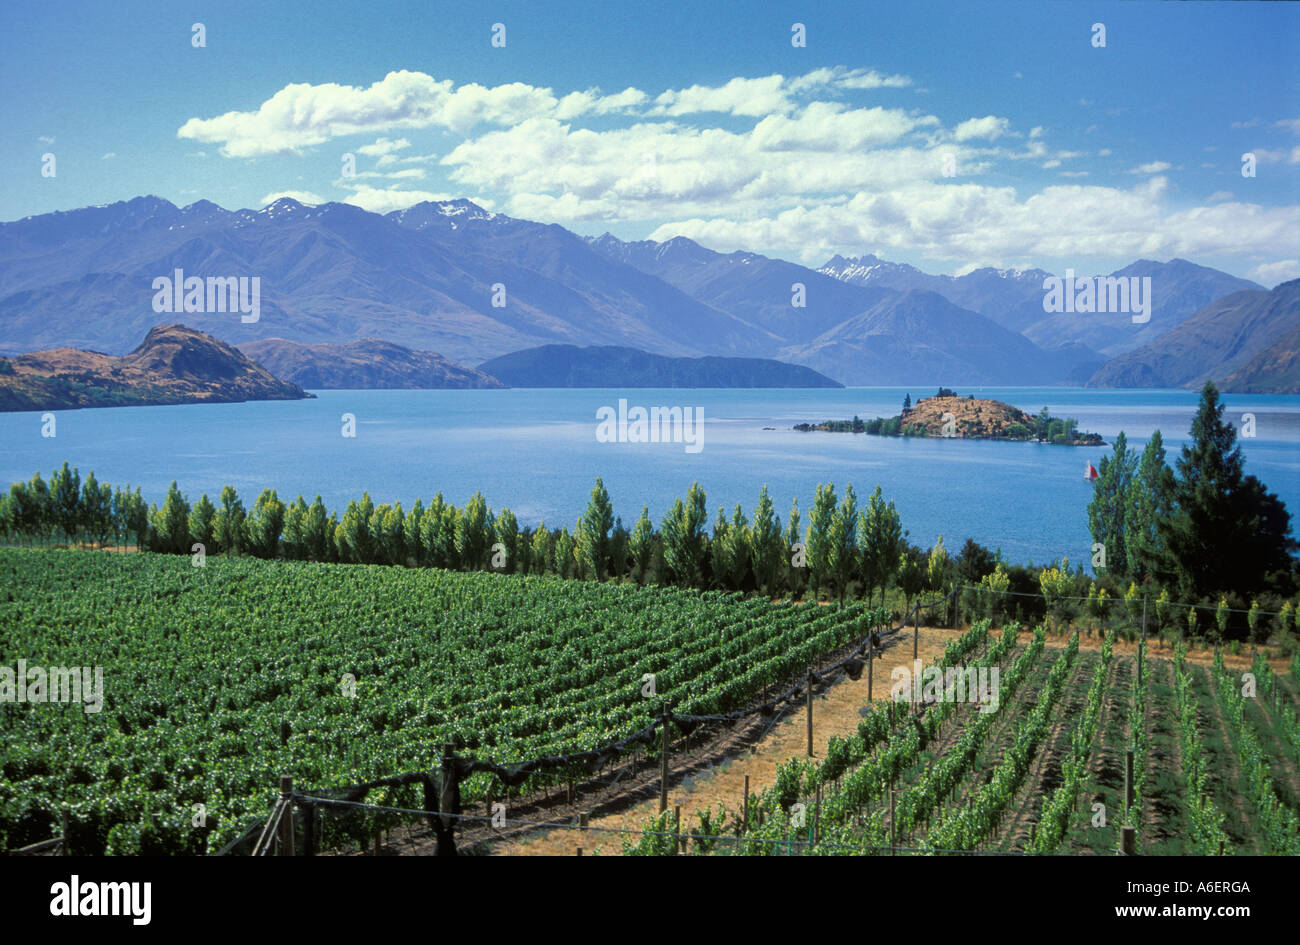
383, 146
302, 115
1271, 274
988, 128
378, 200
796, 165
302, 196
1154, 167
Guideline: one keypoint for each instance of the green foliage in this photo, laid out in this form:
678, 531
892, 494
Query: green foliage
201, 667
1226, 532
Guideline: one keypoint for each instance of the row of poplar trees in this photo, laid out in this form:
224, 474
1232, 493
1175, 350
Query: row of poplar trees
844, 550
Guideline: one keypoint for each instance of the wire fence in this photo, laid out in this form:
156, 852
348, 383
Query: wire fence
295, 822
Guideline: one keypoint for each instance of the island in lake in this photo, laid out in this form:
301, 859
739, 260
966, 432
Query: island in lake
949, 415
174, 364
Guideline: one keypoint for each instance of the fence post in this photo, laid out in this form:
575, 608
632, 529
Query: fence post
1127, 844
1143, 644
745, 809
891, 820
808, 683
309, 829
817, 815
663, 759
1128, 782
286, 818
871, 660
446, 801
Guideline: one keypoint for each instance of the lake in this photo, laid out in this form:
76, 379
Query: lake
536, 452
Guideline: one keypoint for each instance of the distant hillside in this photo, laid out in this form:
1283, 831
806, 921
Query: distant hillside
1212, 344
570, 366
1179, 289
1275, 370
173, 365
368, 364
918, 336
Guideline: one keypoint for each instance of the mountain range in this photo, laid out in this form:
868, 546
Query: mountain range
473, 285
1241, 340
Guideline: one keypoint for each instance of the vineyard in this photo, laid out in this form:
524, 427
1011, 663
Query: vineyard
1215, 772
218, 679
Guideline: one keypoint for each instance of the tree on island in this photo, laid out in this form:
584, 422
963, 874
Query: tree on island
1226, 532
907, 402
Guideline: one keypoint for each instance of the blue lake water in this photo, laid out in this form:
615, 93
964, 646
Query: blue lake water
536, 452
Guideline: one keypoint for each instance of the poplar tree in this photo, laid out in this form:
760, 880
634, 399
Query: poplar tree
766, 545
641, 545
592, 532
819, 538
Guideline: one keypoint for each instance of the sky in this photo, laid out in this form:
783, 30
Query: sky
946, 135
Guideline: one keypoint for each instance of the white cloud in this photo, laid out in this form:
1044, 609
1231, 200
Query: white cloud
1104, 152
1271, 274
1154, 167
1219, 195
302, 196
1291, 124
385, 201
45, 139
383, 146
989, 128
739, 96
1036, 131
302, 115
1074, 173
109, 156
1268, 156
1048, 165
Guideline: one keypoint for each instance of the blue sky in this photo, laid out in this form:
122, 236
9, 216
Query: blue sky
705, 123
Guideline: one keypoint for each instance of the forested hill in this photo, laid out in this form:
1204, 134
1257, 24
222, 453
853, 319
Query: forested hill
612, 366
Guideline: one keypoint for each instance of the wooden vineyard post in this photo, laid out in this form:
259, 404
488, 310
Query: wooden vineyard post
916, 634
891, 821
1128, 782
1143, 644
446, 798
745, 809
663, 761
286, 818
871, 659
677, 829
817, 815
808, 700
1127, 838
309, 830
